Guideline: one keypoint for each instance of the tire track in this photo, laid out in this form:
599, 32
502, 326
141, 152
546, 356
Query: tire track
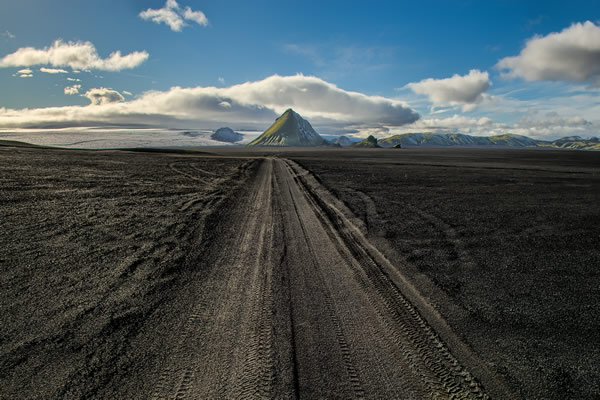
452, 236
442, 374
342, 342
203, 171
226, 349
175, 168
297, 303
391, 376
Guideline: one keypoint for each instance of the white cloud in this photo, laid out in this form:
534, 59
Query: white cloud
173, 16
221, 80
77, 55
25, 75
127, 93
72, 90
26, 71
101, 96
53, 70
7, 34
251, 104
196, 16
314, 97
466, 91
74, 79
571, 55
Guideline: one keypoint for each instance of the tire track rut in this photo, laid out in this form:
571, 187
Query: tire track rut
225, 349
298, 304
437, 369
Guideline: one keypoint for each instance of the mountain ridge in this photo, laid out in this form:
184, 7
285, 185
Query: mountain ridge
430, 139
290, 129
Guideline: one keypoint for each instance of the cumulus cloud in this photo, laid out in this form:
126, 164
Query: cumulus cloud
127, 93
571, 55
53, 70
74, 79
72, 90
315, 97
466, 91
173, 16
99, 96
76, 55
251, 104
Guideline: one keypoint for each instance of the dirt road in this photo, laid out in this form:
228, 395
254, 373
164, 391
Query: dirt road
298, 304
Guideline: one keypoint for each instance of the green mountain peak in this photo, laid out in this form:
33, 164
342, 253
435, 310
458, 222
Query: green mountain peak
290, 129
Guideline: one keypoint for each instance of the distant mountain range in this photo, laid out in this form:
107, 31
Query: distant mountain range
506, 140
290, 129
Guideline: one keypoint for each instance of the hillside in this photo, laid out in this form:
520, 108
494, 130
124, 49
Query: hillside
290, 129
371, 142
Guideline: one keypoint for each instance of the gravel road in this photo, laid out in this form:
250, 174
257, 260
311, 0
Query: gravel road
299, 305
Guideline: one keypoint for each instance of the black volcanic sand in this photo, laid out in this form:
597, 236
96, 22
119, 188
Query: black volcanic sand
102, 254
505, 243
96, 248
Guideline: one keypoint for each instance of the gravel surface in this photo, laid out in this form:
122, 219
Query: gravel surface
505, 244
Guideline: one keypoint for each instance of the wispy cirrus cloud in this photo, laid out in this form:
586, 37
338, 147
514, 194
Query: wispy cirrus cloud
76, 55
335, 59
466, 91
174, 16
570, 55
7, 35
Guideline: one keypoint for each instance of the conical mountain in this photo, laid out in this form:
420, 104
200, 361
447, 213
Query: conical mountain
290, 129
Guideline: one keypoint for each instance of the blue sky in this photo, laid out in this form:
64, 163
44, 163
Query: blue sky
384, 67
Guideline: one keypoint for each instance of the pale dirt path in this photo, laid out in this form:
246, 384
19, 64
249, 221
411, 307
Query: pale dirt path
297, 304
